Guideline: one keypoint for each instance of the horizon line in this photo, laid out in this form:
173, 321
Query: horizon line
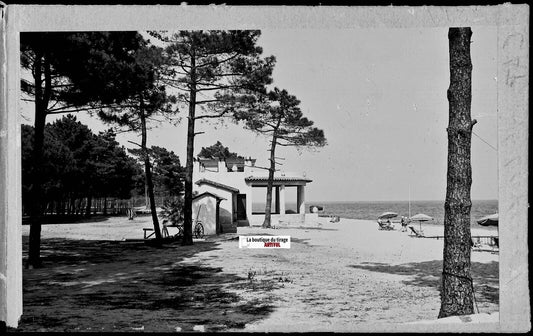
403, 200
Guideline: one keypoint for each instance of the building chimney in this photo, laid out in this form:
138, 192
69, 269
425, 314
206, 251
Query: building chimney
221, 165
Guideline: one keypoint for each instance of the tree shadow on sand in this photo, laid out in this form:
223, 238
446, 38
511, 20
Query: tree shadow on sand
119, 286
317, 228
428, 274
304, 241
70, 219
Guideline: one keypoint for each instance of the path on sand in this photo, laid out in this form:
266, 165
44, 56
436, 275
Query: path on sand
335, 277
339, 275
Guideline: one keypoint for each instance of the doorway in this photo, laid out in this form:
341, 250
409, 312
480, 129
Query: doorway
241, 207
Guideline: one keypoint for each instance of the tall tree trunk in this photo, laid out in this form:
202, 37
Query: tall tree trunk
89, 205
79, 206
271, 170
148, 175
270, 183
457, 288
97, 206
42, 96
146, 197
72, 205
187, 207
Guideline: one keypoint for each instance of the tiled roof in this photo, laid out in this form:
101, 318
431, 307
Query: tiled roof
216, 184
278, 178
207, 193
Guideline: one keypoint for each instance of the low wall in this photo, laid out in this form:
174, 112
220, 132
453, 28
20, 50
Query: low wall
279, 220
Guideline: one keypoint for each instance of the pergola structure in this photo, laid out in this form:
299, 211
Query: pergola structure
235, 179
280, 183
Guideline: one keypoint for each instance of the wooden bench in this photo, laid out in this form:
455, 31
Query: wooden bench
146, 230
164, 231
481, 243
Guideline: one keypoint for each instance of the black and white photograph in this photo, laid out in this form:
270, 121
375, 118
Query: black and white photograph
264, 169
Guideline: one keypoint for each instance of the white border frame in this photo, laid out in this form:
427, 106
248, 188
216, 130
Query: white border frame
513, 84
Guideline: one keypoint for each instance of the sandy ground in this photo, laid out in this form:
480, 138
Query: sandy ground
343, 276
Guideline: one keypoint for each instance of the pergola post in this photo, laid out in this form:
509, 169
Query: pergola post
300, 199
282, 199
277, 208
249, 203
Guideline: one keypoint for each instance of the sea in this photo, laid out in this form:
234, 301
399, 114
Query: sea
371, 210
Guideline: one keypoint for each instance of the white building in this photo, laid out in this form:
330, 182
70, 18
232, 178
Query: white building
234, 183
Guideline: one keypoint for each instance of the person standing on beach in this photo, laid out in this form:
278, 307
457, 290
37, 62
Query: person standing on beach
404, 223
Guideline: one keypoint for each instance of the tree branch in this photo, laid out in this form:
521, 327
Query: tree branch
216, 87
61, 85
207, 101
263, 131
286, 144
181, 88
218, 62
134, 143
61, 109
180, 73
182, 65
210, 116
262, 167
230, 74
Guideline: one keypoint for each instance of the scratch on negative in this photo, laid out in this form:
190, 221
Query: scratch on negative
512, 36
506, 164
512, 279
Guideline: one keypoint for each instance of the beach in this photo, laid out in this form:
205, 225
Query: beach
335, 277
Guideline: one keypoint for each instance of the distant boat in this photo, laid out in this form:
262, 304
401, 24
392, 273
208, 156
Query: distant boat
490, 220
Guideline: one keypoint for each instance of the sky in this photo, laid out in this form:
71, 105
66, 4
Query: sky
380, 97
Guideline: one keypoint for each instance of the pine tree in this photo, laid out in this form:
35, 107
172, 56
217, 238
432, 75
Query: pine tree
208, 68
218, 150
148, 98
457, 287
278, 116
65, 73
